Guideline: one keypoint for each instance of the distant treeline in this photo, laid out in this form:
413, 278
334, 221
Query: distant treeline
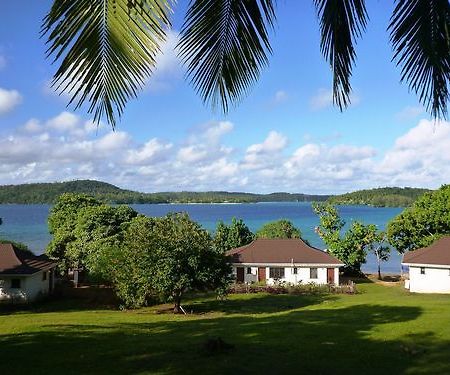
48, 193
381, 197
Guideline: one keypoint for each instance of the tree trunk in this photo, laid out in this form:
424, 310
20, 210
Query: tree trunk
177, 306
379, 267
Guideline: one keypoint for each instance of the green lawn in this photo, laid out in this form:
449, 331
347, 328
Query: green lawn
382, 330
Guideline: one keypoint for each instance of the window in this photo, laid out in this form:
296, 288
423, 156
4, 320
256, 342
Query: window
249, 270
294, 271
276, 273
15, 283
44, 275
422, 270
313, 273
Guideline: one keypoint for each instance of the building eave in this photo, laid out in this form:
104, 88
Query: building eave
298, 265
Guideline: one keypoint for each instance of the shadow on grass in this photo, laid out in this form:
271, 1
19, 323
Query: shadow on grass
55, 305
257, 303
300, 341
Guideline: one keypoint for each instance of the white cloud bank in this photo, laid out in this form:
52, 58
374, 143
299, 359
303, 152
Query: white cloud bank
9, 99
67, 147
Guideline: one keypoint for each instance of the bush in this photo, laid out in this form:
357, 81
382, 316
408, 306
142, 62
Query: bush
294, 289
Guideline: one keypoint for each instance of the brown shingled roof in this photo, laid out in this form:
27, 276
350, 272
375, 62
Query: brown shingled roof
14, 261
283, 251
438, 254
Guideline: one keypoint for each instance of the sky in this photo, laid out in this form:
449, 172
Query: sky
284, 136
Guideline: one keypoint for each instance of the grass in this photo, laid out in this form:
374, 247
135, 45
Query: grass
380, 330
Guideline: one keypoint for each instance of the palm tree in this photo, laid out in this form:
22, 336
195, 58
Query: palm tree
107, 48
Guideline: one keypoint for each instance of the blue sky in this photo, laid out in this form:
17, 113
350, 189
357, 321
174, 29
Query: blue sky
285, 136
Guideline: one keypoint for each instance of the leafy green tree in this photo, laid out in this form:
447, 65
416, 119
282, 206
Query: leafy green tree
129, 264
279, 229
107, 48
423, 223
351, 246
227, 237
185, 259
96, 227
165, 257
61, 223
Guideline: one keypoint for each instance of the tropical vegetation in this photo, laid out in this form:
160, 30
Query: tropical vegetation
352, 245
423, 223
380, 197
142, 258
279, 229
49, 193
227, 237
107, 49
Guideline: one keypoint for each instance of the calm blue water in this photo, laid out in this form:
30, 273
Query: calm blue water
28, 223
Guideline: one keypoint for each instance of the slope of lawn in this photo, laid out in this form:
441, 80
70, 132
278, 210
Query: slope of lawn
382, 330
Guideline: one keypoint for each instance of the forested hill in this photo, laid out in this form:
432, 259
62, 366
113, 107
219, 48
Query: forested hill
48, 192
381, 197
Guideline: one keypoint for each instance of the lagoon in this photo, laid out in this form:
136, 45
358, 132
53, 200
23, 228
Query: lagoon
28, 223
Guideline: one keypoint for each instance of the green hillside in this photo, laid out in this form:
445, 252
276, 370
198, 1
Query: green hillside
380, 197
48, 192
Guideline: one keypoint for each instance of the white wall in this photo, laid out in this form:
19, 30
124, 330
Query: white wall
31, 287
302, 275
435, 280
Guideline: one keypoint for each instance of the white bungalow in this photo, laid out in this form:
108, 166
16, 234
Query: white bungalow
429, 268
24, 276
289, 260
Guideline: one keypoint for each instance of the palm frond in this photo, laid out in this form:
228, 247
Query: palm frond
107, 47
341, 23
420, 35
224, 44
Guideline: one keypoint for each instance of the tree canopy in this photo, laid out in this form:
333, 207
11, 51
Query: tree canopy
421, 224
350, 246
164, 258
279, 229
107, 48
227, 237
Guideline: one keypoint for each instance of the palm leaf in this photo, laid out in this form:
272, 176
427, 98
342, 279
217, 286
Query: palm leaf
107, 47
224, 44
420, 34
341, 22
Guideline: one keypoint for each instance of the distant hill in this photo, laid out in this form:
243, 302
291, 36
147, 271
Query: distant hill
48, 192
381, 197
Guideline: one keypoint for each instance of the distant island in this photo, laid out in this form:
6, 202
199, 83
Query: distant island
41, 193
380, 197
48, 192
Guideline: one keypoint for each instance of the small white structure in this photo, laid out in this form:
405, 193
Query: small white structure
286, 260
24, 276
429, 268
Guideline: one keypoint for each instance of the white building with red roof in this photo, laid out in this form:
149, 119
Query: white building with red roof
429, 268
287, 260
24, 277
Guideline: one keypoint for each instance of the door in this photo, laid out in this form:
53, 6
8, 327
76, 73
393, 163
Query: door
330, 275
240, 274
261, 273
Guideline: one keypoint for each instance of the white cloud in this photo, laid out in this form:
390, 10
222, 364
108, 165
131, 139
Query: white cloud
168, 66
409, 113
9, 99
324, 99
150, 152
273, 143
278, 98
65, 121
61, 149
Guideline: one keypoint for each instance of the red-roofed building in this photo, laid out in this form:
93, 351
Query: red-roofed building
429, 268
24, 277
288, 260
